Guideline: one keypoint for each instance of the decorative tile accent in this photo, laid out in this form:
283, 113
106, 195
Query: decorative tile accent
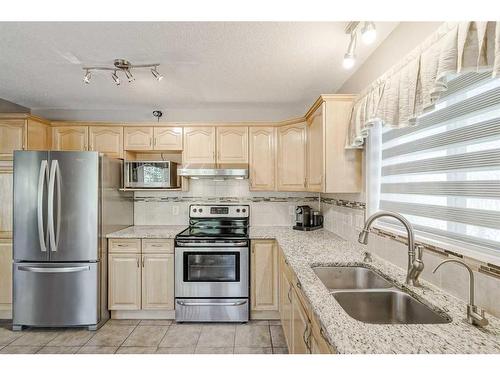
344, 203
223, 199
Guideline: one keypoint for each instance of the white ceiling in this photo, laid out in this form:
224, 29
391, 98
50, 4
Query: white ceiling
214, 71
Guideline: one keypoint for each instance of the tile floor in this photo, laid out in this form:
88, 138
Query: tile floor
148, 337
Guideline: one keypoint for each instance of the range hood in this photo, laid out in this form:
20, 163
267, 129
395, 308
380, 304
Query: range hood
238, 173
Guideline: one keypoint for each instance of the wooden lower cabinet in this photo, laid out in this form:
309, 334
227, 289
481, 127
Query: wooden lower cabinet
141, 274
286, 307
264, 289
5, 277
300, 327
124, 289
303, 333
158, 281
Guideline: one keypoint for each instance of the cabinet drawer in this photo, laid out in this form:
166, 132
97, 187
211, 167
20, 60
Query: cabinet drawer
124, 245
157, 246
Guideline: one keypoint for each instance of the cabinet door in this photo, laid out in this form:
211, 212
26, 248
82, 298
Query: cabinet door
5, 274
138, 138
232, 145
315, 154
70, 138
168, 139
107, 139
124, 289
286, 307
264, 276
11, 137
158, 281
199, 145
292, 157
262, 158
6, 196
300, 327
38, 135
319, 345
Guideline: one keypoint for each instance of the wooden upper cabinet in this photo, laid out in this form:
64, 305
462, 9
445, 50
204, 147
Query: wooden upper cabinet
262, 158
38, 135
199, 145
70, 138
138, 138
343, 165
315, 152
158, 281
11, 137
292, 157
167, 138
107, 139
264, 276
232, 145
6, 203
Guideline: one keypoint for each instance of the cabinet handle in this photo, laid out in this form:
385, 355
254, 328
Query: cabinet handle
137, 262
306, 337
299, 285
142, 262
305, 182
322, 333
154, 141
288, 294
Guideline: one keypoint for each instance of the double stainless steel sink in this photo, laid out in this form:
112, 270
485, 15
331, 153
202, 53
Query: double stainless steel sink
369, 297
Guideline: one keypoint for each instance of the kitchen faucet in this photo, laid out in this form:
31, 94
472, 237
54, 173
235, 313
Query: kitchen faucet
415, 264
475, 315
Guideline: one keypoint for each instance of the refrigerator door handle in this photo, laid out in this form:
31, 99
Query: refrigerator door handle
53, 269
53, 233
42, 177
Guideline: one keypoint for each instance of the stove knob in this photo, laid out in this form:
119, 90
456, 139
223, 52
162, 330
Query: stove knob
194, 209
244, 210
238, 210
200, 210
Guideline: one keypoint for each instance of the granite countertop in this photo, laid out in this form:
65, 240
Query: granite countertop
304, 250
148, 231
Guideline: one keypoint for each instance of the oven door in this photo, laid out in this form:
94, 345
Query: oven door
215, 272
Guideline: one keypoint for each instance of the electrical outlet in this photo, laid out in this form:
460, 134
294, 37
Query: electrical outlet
175, 210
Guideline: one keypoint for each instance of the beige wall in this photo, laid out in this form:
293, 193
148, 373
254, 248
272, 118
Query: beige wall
404, 38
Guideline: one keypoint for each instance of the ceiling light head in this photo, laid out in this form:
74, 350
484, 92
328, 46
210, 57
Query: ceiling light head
368, 33
129, 75
156, 73
350, 57
87, 77
115, 78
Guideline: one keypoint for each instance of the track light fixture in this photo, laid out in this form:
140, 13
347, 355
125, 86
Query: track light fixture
121, 65
115, 78
350, 57
87, 77
156, 73
368, 33
368, 36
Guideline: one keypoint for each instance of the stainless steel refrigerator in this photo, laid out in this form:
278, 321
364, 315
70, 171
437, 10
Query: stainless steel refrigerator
65, 203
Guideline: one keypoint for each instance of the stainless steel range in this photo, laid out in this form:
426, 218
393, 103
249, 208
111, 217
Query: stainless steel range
212, 265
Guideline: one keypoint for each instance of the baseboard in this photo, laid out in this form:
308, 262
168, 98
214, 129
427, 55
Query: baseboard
143, 314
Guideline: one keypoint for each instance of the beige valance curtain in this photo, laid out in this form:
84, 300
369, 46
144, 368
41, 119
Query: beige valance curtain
415, 83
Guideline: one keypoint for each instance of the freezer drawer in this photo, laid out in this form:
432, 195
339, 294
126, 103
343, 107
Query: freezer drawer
56, 294
211, 310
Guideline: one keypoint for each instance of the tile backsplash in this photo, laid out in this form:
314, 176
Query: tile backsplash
172, 208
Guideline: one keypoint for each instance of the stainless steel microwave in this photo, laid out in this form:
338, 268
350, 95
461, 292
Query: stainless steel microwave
150, 174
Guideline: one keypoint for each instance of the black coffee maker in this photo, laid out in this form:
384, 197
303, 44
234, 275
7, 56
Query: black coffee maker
307, 219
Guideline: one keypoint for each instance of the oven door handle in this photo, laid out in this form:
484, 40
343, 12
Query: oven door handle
236, 303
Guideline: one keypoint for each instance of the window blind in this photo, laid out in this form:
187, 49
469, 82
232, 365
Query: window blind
443, 174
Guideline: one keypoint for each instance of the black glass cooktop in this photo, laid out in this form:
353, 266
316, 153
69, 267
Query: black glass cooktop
213, 232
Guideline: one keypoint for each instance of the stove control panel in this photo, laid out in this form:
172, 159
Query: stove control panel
216, 210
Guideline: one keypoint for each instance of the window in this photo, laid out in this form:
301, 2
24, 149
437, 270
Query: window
443, 174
